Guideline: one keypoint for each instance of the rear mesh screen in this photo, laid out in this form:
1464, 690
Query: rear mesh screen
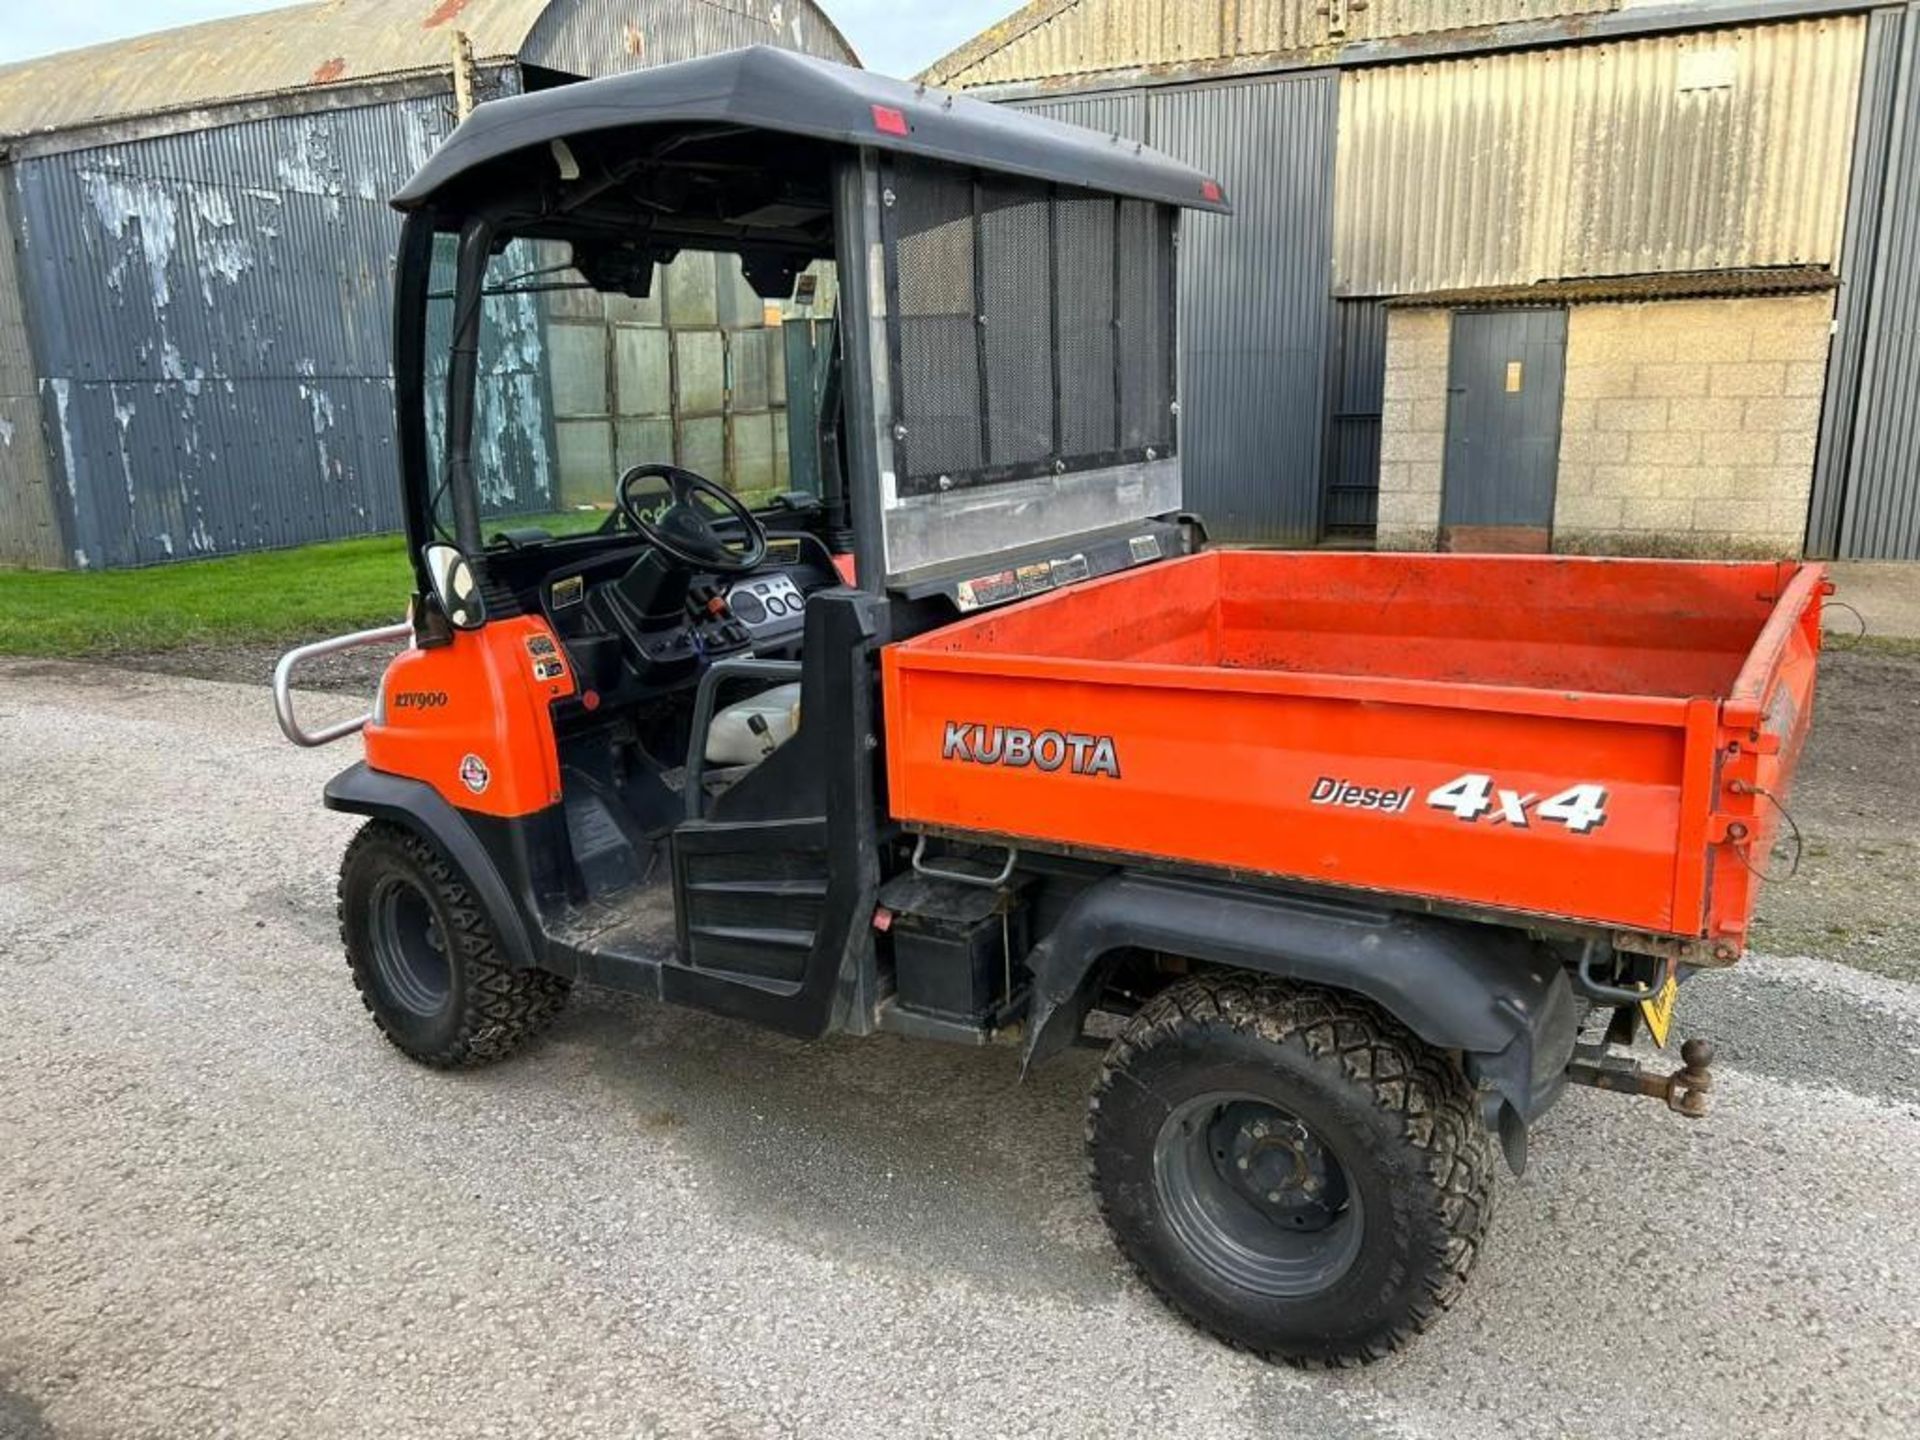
1031, 328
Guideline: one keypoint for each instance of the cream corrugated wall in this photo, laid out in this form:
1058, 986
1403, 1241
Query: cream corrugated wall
1713, 150
1088, 37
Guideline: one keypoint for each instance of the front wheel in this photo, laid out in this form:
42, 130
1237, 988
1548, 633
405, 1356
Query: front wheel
1289, 1167
421, 949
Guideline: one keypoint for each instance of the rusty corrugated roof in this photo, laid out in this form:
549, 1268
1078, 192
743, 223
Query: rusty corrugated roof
335, 42
1068, 41
303, 48
1630, 289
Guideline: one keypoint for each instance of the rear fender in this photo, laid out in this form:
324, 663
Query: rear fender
418, 806
1496, 996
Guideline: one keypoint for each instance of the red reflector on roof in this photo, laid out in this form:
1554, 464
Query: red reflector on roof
889, 121
1210, 190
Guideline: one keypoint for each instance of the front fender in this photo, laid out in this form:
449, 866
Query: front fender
358, 790
1495, 995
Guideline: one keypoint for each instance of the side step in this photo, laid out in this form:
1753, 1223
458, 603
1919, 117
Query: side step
754, 896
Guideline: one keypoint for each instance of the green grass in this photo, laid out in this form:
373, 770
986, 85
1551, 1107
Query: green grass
281, 596
1901, 645
561, 522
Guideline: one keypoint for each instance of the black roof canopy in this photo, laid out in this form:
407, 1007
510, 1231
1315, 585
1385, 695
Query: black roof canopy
765, 91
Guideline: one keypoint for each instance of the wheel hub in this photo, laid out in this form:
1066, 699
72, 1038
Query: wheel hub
410, 949
1274, 1161
1256, 1194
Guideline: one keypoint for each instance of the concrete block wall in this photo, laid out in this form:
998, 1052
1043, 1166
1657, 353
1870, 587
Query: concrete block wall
1413, 429
1690, 426
693, 375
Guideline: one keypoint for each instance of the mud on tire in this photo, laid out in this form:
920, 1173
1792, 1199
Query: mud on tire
1371, 1176
421, 949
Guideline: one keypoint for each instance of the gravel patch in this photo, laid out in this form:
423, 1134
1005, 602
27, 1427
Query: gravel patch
352, 672
1856, 798
228, 1208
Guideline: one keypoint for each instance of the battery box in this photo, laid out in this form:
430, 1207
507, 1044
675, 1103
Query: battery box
957, 949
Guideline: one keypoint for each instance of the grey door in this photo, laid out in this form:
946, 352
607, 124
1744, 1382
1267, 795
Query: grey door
1504, 385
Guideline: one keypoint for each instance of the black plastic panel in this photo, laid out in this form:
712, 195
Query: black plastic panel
1016, 266
937, 344
1031, 328
1143, 304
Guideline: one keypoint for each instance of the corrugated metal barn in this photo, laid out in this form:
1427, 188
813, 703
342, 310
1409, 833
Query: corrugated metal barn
1587, 274
196, 269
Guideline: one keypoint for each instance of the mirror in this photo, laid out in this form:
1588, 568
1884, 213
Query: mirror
455, 588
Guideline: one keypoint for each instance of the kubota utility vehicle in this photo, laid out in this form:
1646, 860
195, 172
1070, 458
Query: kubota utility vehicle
1356, 860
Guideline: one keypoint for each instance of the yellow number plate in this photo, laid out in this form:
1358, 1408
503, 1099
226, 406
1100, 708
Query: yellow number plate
1658, 1012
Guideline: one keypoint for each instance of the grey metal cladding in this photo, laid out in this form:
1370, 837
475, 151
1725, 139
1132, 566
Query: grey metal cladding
212, 314
1110, 112
1879, 92
1882, 513
209, 288
1254, 306
578, 37
1255, 313
168, 472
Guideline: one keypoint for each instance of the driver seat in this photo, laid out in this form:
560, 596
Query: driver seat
748, 731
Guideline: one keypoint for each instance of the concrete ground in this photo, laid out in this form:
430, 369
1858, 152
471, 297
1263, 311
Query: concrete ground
1856, 896
1879, 601
228, 1208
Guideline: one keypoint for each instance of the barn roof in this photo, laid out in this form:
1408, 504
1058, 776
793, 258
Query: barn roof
344, 44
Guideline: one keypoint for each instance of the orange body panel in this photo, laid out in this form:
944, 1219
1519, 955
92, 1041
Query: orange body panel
471, 718
1538, 735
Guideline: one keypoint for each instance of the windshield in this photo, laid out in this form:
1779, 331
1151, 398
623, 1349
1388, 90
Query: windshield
575, 386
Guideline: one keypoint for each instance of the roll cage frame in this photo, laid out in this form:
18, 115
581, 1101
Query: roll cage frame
868, 415
795, 146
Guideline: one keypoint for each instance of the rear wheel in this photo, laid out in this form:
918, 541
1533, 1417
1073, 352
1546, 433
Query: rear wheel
1289, 1167
421, 949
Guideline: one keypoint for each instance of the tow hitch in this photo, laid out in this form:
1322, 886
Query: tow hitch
1686, 1090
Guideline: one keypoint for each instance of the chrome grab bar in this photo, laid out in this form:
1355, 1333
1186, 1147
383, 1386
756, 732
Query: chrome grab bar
293, 659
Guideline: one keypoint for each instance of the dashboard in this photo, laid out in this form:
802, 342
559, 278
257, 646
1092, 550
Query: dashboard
763, 614
768, 605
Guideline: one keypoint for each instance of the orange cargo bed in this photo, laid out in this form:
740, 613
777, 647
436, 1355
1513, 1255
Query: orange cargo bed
1599, 741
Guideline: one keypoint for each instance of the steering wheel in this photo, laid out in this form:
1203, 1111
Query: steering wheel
685, 530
